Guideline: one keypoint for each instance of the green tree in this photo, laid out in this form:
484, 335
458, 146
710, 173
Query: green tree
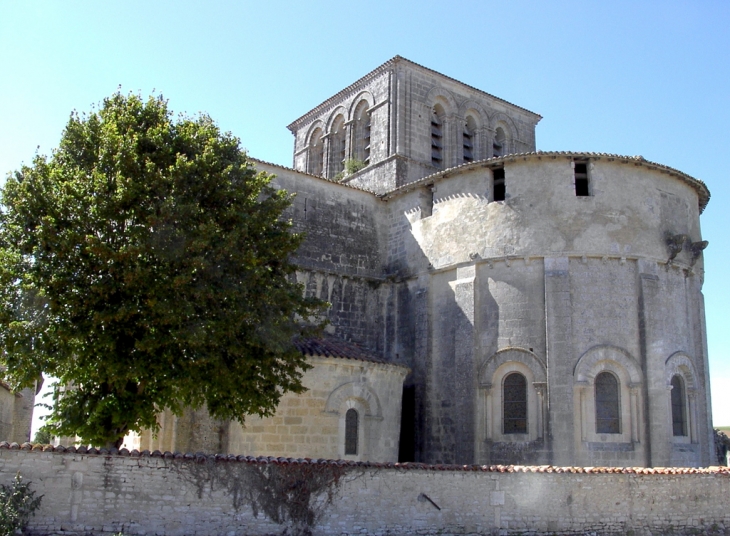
145, 266
43, 437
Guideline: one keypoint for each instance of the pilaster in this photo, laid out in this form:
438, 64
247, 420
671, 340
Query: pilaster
464, 366
559, 333
657, 437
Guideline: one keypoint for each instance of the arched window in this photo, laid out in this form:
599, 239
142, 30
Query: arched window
316, 153
514, 404
608, 412
337, 146
499, 146
362, 133
470, 128
437, 136
679, 415
351, 425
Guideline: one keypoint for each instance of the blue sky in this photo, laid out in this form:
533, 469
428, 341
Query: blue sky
639, 77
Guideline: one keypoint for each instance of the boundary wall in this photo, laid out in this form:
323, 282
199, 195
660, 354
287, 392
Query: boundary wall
90, 491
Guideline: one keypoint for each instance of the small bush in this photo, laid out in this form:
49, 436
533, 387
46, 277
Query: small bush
354, 165
17, 504
351, 166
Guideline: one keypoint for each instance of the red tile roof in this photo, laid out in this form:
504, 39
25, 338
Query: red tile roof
264, 460
332, 346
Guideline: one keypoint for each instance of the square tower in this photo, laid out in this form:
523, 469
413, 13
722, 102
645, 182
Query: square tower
402, 122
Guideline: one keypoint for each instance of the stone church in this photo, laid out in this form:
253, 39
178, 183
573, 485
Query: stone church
490, 303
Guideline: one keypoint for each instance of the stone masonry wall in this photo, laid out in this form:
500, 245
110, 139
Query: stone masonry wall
340, 260
312, 424
16, 410
93, 492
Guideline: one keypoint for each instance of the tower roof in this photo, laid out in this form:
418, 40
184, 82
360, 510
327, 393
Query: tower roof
339, 96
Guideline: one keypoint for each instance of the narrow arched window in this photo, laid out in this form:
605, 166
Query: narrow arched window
437, 136
608, 416
361, 150
514, 404
351, 424
316, 153
468, 139
337, 146
679, 419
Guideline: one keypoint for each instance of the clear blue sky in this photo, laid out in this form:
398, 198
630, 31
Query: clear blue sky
628, 77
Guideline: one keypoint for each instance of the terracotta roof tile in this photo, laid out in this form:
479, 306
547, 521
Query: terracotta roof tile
287, 168
201, 457
331, 346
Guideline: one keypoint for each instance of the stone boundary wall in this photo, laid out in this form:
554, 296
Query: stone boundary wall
90, 491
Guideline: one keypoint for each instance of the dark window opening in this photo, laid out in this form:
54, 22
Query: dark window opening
468, 139
514, 404
361, 138
581, 179
407, 444
608, 413
367, 141
436, 137
316, 153
499, 187
351, 424
679, 421
337, 144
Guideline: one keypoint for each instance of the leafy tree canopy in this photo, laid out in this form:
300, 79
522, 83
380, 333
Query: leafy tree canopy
145, 265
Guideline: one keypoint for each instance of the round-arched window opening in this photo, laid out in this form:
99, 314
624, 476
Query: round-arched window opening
316, 153
361, 150
337, 145
351, 426
608, 413
470, 128
679, 418
514, 404
437, 135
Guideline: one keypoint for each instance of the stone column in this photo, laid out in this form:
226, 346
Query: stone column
326, 157
692, 419
635, 408
481, 143
483, 422
541, 390
349, 142
448, 141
